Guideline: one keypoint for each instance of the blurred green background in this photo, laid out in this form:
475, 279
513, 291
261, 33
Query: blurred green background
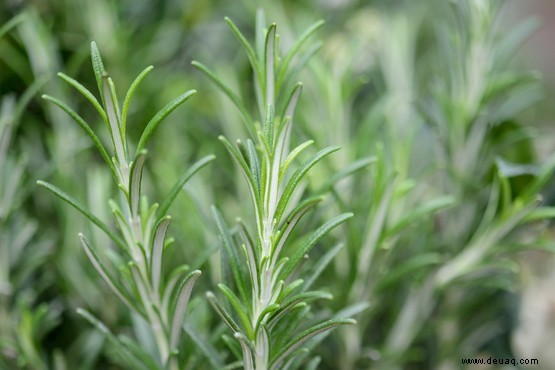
444, 113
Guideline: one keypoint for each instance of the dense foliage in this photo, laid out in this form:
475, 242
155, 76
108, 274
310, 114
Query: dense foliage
382, 214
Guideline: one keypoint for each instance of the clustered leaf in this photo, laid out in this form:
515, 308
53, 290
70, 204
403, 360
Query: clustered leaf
141, 284
265, 161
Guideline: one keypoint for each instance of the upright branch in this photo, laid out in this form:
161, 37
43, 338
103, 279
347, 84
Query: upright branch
276, 305
141, 239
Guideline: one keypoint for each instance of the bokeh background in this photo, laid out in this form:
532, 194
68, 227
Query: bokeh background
444, 111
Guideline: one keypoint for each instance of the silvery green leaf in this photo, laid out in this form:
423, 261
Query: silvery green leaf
269, 69
163, 113
182, 294
248, 362
297, 177
291, 221
284, 65
139, 353
126, 356
322, 263
409, 267
170, 197
129, 95
248, 48
12, 23
114, 121
226, 317
228, 92
157, 251
509, 169
291, 157
285, 127
106, 275
209, 351
289, 303
240, 309
169, 287
135, 181
62, 195
232, 254
306, 335
311, 242
253, 186
423, 211
98, 67
540, 214
84, 125
348, 171
290, 288
86, 93
262, 317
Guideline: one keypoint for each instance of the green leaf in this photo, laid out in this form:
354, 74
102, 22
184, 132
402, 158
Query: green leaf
306, 335
29, 93
266, 311
248, 362
175, 276
322, 263
157, 251
300, 64
254, 163
168, 200
220, 310
135, 183
423, 211
254, 190
101, 225
248, 48
284, 130
129, 95
348, 171
409, 268
291, 157
297, 177
231, 251
239, 308
540, 214
81, 122
288, 304
311, 242
210, 353
291, 221
86, 93
126, 356
248, 121
509, 169
106, 275
290, 288
284, 65
12, 23
139, 353
98, 67
182, 294
269, 67
114, 120
163, 113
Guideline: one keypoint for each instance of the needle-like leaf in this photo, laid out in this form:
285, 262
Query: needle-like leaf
163, 113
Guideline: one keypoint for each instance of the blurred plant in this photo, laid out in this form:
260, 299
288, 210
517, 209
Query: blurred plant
442, 255
265, 319
23, 321
140, 283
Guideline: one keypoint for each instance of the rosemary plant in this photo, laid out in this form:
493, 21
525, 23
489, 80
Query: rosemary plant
266, 316
140, 283
24, 322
